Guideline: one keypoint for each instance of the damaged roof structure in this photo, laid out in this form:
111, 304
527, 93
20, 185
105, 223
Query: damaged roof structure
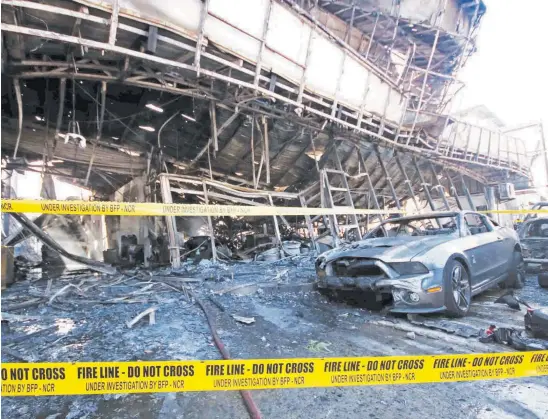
335, 105
317, 104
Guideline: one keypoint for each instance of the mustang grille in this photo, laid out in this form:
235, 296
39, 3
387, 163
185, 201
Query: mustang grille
355, 267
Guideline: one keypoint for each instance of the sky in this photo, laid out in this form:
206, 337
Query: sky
509, 71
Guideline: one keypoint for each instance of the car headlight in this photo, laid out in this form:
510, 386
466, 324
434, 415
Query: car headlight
409, 268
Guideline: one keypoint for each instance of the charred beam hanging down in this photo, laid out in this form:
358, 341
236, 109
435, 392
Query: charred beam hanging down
437, 184
467, 193
17, 87
266, 149
210, 140
346, 186
388, 178
407, 182
101, 118
47, 240
453, 190
372, 192
252, 145
213, 118
425, 186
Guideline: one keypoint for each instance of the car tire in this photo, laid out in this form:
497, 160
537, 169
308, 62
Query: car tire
543, 280
516, 276
458, 290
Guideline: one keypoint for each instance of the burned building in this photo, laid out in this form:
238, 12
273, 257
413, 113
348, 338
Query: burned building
319, 104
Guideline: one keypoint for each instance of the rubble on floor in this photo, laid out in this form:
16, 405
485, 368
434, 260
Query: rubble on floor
261, 310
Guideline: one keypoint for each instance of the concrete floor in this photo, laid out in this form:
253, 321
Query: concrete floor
288, 318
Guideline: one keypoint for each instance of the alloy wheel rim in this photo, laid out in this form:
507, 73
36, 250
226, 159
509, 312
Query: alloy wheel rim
460, 287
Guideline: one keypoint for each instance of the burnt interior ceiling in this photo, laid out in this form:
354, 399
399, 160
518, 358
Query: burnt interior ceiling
61, 90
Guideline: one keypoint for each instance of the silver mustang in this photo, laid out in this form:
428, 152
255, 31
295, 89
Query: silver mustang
426, 263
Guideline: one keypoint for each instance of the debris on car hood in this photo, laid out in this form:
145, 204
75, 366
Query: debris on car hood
390, 247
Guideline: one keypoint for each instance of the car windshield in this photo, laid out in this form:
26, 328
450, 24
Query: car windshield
427, 226
535, 229
543, 206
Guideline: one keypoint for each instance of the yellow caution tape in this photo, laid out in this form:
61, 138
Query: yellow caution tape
150, 209
49, 379
521, 211
155, 209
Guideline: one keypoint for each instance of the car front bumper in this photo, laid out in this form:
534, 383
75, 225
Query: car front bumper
400, 288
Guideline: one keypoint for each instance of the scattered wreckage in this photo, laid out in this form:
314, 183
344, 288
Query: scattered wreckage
426, 263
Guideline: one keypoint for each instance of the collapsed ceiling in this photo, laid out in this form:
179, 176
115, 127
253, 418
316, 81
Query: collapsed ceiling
138, 115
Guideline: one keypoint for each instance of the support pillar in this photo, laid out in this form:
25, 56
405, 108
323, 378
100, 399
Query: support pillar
210, 225
175, 254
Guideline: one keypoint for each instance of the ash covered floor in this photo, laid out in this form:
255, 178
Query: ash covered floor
87, 322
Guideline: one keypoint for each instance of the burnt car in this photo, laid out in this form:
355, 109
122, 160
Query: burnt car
533, 236
426, 263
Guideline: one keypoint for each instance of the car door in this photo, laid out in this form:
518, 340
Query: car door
481, 247
505, 243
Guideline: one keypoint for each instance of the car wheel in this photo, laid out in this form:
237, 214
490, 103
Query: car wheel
458, 292
543, 280
516, 276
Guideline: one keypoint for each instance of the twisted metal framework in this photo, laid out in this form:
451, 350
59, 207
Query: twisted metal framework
237, 85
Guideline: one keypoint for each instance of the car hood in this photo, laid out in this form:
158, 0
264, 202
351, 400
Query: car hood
387, 248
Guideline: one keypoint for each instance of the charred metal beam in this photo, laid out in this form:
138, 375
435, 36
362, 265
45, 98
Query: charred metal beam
114, 22
425, 186
210, 224
175, 254
48, 241
388, 177
453, 190
201, 35
213, 120
152, 39
439, 186
17, 87
467, 193
219, 132
266, 148
407, 182
101, 119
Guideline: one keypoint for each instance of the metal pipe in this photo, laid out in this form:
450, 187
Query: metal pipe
101, 118
17, 87
162, 128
